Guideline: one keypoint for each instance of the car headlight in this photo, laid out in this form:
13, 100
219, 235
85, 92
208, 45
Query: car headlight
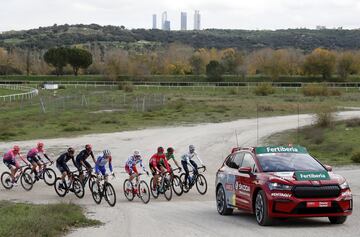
277, 186
344, 185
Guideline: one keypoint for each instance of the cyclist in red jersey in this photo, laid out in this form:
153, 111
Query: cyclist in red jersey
158, 164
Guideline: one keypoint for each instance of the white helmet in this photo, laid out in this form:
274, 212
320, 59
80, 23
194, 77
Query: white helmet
107, 153
137, 153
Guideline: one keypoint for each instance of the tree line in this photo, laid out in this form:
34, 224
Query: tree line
179, 59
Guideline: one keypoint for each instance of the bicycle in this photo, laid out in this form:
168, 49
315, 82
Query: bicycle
47, 174
25, 179
196, 179
141, 190
106, 190
177, 185
74, 185
88, 176
163, 186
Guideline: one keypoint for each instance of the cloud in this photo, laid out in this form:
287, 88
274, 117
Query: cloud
245, 14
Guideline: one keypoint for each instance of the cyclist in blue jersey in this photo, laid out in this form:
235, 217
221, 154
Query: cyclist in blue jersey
100, 164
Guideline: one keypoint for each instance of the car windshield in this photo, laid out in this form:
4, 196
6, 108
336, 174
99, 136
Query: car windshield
281, 162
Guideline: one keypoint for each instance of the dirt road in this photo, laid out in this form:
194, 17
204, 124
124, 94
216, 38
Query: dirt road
190, 214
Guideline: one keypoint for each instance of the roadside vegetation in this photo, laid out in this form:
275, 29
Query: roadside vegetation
29, 220
332, 142
76, 111
8, 92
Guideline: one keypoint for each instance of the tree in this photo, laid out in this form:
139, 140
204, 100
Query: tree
320, 62
231, 60
79, 58
214, 71
197, 64
346, 64
57, 57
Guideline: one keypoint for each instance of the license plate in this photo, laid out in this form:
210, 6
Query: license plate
318, 204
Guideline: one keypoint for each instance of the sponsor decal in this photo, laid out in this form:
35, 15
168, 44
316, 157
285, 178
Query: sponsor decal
283, 195
242, 187
229, 187
311, 175
280, 149
284, 174
318, 204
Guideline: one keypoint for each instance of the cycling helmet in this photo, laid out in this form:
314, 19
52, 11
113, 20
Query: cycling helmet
191, 148
40, 145
136, 153
71, 151
16, 149
88, 147
170, 150
107, 153
160, 149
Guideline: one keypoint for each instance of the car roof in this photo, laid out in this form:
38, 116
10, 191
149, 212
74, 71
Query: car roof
271, 149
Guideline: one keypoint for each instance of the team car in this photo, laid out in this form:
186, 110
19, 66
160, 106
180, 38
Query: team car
281, 182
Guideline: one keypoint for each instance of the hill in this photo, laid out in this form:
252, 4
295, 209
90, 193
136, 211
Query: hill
60, 35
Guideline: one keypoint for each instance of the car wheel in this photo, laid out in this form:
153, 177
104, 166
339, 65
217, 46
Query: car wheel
221, 202
261, 209
337, 219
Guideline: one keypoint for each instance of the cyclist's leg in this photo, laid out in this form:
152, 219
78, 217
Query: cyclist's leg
195, 167
33, 161
185, 167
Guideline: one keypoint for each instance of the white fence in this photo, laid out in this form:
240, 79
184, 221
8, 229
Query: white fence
27, 94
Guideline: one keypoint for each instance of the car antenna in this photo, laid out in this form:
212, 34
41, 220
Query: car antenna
237, 141
257, 124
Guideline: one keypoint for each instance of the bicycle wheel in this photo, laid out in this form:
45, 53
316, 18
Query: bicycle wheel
30, 172
177, 185
6, 180
26, 181
154, 193
144, 192
110, 195
201, 184
128, 190
78, 188
59, 189
92, 178
96, 192
49, 176
167, 189
186, 188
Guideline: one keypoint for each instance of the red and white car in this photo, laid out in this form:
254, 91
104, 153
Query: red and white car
281, 182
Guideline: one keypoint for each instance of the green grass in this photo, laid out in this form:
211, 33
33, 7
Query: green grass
8, 92
333, 145
25, 120
28, 220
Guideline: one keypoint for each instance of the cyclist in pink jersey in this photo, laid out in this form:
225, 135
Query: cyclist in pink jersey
33, 156
10, 161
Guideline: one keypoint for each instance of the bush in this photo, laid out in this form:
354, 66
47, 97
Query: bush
264, 89
126, 86
352, 123
355, 157
319, 90
324, 117
315, 135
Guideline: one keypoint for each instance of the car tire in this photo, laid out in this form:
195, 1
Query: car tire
221, 203
261, 209
337, 219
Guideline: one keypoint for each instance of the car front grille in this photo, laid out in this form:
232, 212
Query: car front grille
329, 191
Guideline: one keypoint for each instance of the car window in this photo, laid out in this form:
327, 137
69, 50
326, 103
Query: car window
248, 161
229, 161
237, 160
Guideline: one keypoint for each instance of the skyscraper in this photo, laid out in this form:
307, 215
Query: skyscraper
183, 21
197, 20
154, 23
163, 20
167, 26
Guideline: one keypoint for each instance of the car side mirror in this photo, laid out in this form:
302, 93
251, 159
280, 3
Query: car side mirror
245, 170
328, 168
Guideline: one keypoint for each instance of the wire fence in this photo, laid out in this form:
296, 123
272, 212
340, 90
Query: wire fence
28, 94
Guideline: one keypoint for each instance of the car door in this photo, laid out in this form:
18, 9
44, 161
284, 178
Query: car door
232, 172
245, 182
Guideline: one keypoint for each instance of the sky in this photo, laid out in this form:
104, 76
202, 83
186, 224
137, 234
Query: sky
226, 14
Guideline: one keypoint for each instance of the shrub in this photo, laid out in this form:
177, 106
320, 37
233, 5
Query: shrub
315, 135
352, 123
126, 86
324, 117
264, 89
319, 90
355, 157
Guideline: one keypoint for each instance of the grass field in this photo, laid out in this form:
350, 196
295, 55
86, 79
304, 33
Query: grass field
28, 220
64, 118
332, 145
8, 92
